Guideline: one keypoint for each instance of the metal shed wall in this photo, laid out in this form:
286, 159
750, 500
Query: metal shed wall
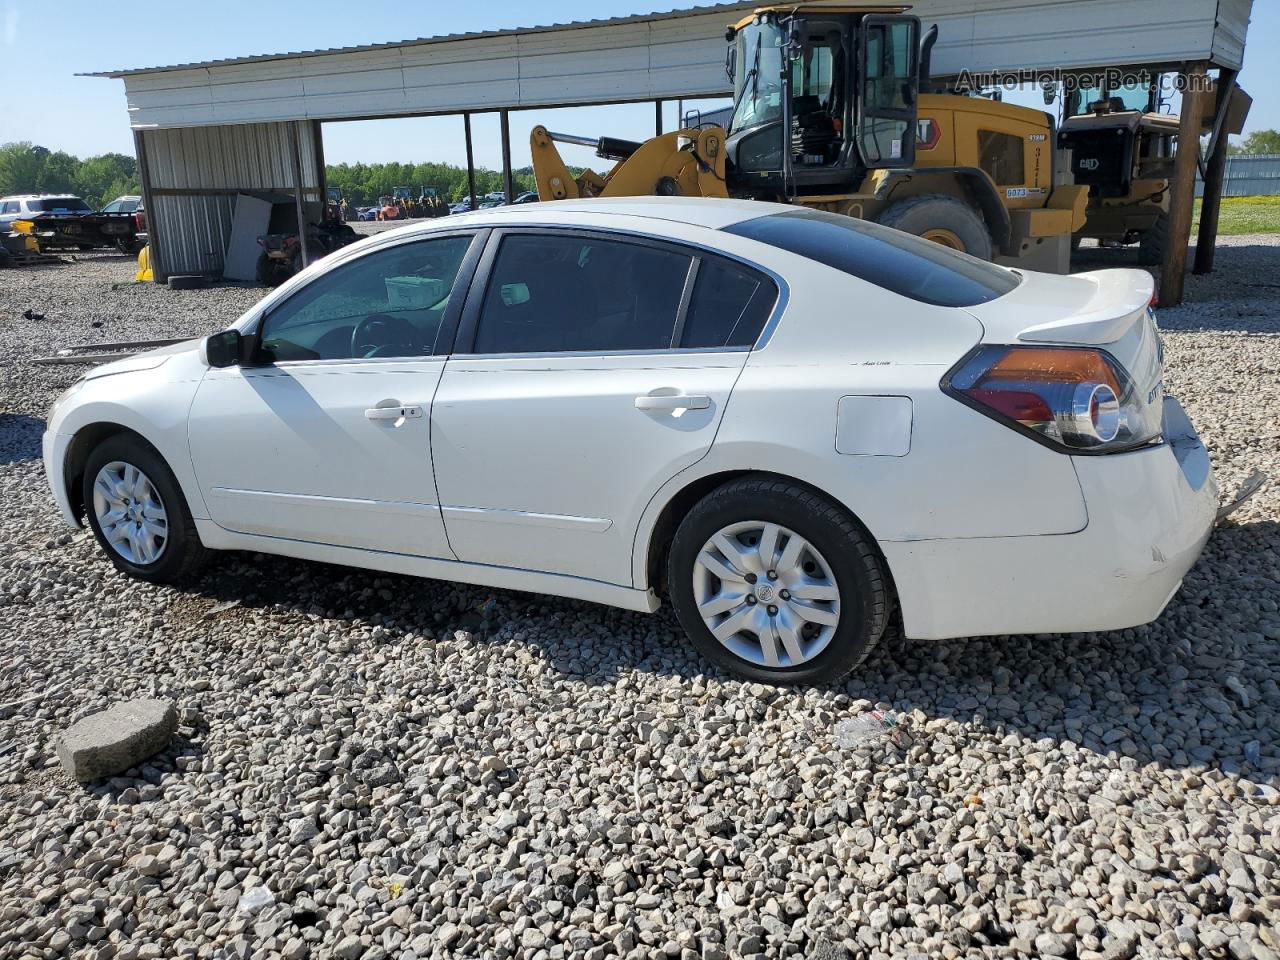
1249, 175
679, 54
195, 175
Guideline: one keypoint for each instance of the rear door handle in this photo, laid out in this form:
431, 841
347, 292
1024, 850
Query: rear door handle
678, 402
410, 412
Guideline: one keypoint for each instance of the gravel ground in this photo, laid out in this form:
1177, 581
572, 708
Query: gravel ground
371, 766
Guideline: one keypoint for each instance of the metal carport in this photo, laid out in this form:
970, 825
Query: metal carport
207, 131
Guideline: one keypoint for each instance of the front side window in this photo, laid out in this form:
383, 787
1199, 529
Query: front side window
388, 303
549, 294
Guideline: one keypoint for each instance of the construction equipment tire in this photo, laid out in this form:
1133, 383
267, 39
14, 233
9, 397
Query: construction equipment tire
1154, 242
944, 220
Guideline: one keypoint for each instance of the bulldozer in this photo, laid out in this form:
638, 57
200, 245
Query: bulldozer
1122, 145
832, 109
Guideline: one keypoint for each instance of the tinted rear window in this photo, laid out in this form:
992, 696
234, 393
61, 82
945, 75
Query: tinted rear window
59, 203
907, 265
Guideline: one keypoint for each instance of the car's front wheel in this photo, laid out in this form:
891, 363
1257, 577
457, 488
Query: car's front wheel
776, 583
137, 512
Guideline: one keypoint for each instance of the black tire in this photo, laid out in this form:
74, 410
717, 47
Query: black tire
1154, 242
181, 553
938, 211
856, 567
271, 272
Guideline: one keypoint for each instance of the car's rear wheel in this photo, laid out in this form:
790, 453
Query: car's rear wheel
137, 512
775, 583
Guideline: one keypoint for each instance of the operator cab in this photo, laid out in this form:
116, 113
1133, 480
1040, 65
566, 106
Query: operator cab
838, 89
1118, 135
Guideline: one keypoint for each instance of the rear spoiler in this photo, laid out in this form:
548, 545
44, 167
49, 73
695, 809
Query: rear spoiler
1118, 295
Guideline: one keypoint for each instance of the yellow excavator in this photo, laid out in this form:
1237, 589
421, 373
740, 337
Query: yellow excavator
828, 112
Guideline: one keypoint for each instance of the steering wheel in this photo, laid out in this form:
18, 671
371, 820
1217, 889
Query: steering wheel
377, 332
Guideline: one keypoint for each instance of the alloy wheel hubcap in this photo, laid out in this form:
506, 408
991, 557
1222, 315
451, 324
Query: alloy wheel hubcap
130, 513
766, 594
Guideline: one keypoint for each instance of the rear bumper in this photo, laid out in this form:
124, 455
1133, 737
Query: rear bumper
1150, 513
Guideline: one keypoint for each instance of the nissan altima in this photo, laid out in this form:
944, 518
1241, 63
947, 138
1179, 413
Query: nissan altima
794, 427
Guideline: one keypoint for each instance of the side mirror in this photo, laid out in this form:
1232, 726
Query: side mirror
224, 349
797, 39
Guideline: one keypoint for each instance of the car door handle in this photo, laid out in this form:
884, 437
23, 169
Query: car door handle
410, 412
678, 401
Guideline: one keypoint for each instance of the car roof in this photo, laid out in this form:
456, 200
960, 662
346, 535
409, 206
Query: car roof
41, 196
715, 213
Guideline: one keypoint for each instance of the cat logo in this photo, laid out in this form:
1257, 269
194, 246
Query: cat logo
1088, 163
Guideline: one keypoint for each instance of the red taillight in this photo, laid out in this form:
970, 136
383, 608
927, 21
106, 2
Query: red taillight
1077, 398
1026, 408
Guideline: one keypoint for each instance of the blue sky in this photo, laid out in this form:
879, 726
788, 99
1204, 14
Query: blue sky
41, 100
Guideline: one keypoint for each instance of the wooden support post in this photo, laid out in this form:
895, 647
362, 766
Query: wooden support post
657, 118
317, 142
295, 149
506, 157
150, 210
1182, 190
1213, 174
471, 163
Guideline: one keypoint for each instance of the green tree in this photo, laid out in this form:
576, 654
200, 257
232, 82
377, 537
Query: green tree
1261, 141
101, 179
20, 166
362, 184
58, 173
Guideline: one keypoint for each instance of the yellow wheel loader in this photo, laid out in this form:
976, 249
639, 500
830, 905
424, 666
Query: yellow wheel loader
828, 113
1122, 151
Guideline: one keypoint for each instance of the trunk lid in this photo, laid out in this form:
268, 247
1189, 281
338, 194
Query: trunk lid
1109, 309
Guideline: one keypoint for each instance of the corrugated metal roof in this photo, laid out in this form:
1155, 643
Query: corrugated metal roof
445, 38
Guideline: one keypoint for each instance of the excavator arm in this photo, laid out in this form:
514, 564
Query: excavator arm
684, 163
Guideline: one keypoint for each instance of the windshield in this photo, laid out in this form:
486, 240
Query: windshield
1130, 96
60, 203
757, 80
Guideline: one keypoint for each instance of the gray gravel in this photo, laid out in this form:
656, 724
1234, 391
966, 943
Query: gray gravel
369, 766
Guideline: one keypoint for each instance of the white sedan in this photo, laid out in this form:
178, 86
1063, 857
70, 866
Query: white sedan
795, 426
